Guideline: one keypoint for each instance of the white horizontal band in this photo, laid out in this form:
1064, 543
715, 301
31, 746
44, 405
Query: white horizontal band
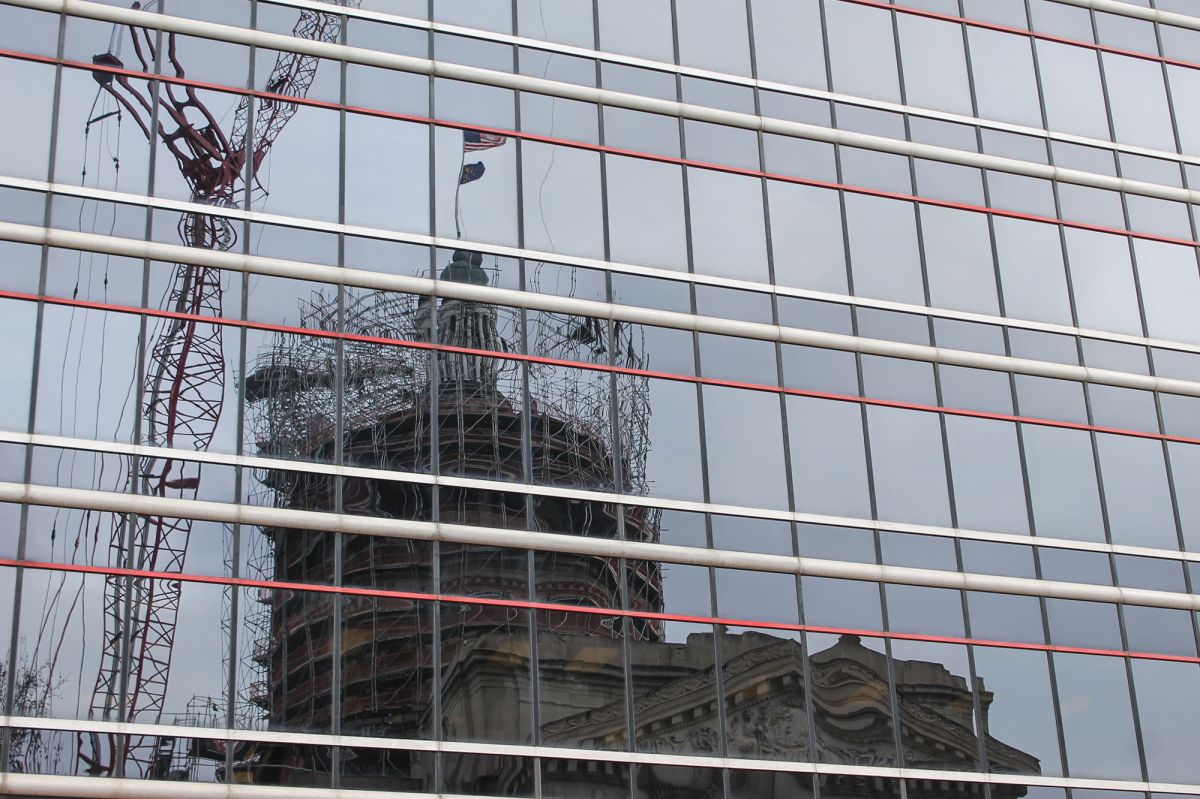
333, 275
1137, 12
547, 753
605, 497
588, 94
739, 80
57, 786
289, 518
260, 217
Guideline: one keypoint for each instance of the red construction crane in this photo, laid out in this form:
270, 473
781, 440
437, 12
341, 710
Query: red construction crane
184, 385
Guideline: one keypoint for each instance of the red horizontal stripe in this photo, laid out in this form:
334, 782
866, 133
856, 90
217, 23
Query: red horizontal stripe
591, 147
520, 604
596, 367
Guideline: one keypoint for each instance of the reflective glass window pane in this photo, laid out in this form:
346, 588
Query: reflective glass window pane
1102, 281
1097, 720
986, 469
1088, 624
1170, 288
1138, 97
829, 467
713, 35
671, 437
756, 596
637, 28
728, 237
1062, 483
692, 646
17, 326
384, 160
645, 212
1021, 713
562, 199
852, 699
465, 714
935, 66
569, 645
930, 611
862, 51
1005, 83
744, 448
788, 45
1073, 92
883, 249
806, 237
908, 466
958, 258
1005, 617
1185, 470
27, 91
917, 664
1135, 491
1159, 630
1185, 83
1168, 697
848, 604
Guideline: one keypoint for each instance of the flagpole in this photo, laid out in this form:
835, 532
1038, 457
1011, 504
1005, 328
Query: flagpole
457, 189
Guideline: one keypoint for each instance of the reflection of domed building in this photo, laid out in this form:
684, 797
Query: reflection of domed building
460, 413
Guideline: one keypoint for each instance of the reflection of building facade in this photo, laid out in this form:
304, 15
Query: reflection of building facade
908, 286
485, 651
387, 645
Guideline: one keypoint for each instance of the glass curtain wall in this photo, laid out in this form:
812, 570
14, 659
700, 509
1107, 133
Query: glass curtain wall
666, 399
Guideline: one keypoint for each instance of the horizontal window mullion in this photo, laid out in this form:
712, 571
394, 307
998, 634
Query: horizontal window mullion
743, 80
552, 88
590, 366
205, 510
612, 266
252, 264
586, 495
554, 607
620, 151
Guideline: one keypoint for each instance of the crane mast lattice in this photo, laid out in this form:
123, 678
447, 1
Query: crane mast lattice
184, 386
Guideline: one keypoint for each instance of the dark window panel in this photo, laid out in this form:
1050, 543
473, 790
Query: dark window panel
1166, 696
472, 636
986, 469
1097, 719
744, 534
755, 596
728, 237
1021, 713
1087, 624
1136, 492
1159, 630
806, 237
744, 448
909, 466
571, 645
934, 63
1062, 482
927, 611
852, 691
918, 665
1005, 617
918, 551
988, 557
829, 471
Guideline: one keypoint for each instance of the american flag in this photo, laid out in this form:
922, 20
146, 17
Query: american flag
478, 140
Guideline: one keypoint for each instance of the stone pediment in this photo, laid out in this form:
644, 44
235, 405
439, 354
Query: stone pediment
767, 714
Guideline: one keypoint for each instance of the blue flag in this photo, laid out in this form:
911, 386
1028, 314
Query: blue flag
471, 172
